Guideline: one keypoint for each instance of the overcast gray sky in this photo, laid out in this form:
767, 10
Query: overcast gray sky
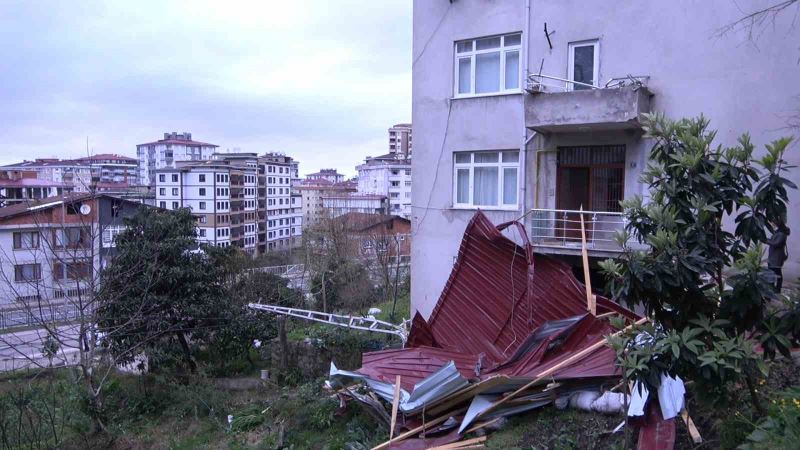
320, 80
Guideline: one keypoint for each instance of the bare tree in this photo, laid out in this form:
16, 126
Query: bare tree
754, 22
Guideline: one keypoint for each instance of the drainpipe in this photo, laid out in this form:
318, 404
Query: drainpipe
525, 139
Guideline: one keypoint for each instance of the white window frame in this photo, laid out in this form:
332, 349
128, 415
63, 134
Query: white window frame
501, 174
595, 63
503, 49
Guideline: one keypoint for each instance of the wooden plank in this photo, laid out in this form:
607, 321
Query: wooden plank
694, 433
547, 372
591, 301
460, 444
395, 404
418, 429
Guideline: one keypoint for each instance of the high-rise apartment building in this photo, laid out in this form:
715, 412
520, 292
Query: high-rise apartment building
165, 153
312, 193
400, 143
387, 176
239, 199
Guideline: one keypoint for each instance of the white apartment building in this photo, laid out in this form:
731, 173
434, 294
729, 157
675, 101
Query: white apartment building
336, 205
388, 176
284, 212
312, 193
400, 142
326, 174
164, 153
512, 122
223, 196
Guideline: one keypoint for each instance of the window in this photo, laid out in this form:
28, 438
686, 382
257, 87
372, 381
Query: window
26, 240
162, 191
485, 179
202, 178
584, 61
487, 65
174, 191
27, 272
202, 205
74, 237
202, 192
162, 205
162, 178
174, 177
110, 234
202, 232
174, 205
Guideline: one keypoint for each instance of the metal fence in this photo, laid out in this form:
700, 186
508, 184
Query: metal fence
14, 318
562, 228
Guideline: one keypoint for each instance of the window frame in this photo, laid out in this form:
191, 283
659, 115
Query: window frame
503, 49
571, 61
500, 165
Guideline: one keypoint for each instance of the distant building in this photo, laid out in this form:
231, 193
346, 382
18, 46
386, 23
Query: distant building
326, 174
283, 202
343, 203
222, 195
312, 193
387, 176
400, 143
23, 186
377, 235
81, 173
53, 251
164, 153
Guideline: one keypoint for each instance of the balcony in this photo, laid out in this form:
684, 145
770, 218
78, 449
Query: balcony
559, 231
552, 107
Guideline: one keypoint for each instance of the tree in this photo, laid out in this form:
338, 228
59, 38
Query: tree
160, 289
680, 278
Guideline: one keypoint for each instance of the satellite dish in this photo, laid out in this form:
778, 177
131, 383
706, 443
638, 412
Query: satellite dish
86, 209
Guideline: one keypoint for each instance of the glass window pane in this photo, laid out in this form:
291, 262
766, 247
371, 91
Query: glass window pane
463, 157
486, 157
583, 66
487, 72
512, 39
485, 44
509, 186
464, 75
463, 47
462, 186
510, 156
485, 186
512, 70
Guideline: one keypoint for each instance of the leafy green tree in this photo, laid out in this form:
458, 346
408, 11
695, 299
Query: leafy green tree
160, 289
705, 283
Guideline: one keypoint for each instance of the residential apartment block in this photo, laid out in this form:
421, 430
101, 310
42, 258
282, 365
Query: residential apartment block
338, 204
509, 120
22, 187
312, 193
164, 153
387, 176
400, 142
53, 250
239, 199
81, 174
326, 174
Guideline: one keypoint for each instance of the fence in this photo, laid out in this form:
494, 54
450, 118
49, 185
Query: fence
562, 228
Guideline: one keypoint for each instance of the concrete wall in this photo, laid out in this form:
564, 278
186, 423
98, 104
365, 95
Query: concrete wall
740, 84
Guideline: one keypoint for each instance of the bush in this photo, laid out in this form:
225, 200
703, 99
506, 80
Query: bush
781, 427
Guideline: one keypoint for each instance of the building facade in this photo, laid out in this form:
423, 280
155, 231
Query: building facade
338, 204
311, 198
53, 251
330, 175
400, 142
164, 153
518, 122
283, 202
390, 177
23, 186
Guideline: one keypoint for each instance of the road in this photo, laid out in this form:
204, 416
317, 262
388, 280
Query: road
23, 349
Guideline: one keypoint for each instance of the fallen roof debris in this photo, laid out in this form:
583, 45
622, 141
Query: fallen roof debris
509, 333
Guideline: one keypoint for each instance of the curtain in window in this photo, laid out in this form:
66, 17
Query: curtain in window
485, 186
509, 186
487, 72
464, 74
462, 186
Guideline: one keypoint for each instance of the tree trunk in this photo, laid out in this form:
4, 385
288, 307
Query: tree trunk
284, 362
187, 353
324, 294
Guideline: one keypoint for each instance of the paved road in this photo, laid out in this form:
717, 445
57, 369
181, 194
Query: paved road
23, 349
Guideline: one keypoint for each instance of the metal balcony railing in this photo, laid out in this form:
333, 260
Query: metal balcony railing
538, 82
561, 228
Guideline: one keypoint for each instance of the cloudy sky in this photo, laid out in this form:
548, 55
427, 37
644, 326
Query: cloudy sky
320, 80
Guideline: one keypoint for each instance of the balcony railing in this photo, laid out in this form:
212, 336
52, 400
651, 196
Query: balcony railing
561, 229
